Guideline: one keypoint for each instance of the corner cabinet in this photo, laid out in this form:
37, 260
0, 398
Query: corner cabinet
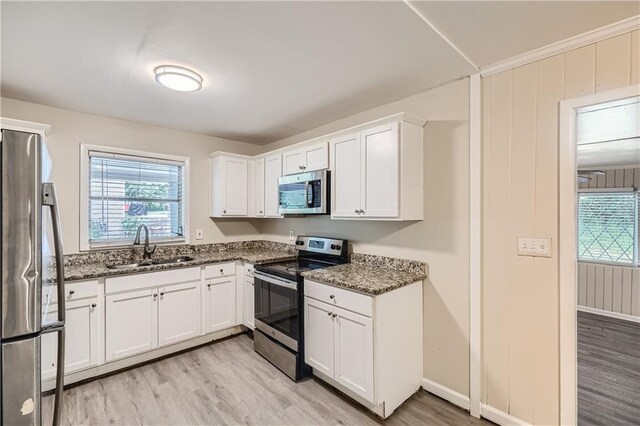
272, 172
257, 188
378, 172
353, 341
229, 190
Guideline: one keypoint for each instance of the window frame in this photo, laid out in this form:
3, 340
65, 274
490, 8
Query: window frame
85, 244
635, 263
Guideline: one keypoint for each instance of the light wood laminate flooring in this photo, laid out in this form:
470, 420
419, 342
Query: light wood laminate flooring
228, 383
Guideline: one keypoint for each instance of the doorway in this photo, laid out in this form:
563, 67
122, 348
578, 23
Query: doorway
599, 270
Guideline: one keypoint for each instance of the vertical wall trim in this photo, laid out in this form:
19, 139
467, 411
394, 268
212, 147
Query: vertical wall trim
567, 244
475, 242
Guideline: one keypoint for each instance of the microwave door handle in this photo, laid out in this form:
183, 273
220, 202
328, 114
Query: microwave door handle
306, 194
49, 199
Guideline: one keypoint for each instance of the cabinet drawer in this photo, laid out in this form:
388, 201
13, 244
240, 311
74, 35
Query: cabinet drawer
74, 291
151, 279
349, 300
220, 270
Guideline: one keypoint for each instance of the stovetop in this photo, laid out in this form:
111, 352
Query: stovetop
313, 253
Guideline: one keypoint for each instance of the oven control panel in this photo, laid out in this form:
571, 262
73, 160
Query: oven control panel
322, 245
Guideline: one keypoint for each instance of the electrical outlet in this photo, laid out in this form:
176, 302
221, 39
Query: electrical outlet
292, 235
536, 247
199, 234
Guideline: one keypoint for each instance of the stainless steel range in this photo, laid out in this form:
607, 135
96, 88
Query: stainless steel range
279, 295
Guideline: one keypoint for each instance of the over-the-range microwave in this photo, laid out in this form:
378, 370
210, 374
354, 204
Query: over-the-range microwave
304, 193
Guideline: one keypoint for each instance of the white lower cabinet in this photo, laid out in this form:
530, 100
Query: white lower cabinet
219, 303
353, 341
131, 323
178, 313
319, 343
248, 298
83, 337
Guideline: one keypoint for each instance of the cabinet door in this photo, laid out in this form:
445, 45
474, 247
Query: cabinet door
272, 172
220, 303
317, 157
178, 312
83, 338
380, 171
235, 187
318, 334
258, 188
131, 323
248, 315
353, 340
293, 162
346, 179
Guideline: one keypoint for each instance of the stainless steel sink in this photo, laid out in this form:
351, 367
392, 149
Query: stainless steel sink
129, 265
180, 259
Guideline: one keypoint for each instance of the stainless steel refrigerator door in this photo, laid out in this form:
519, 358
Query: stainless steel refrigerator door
21, 402
21, 234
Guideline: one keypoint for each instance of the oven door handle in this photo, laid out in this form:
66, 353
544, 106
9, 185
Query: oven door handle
276, 281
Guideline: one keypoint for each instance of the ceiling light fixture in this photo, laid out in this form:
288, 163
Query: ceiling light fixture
178, 78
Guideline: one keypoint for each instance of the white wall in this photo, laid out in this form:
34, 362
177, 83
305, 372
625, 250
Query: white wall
70, 129
441, 239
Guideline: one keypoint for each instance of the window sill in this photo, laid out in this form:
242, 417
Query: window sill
130, 246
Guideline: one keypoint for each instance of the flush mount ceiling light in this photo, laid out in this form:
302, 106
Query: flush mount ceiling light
178, 78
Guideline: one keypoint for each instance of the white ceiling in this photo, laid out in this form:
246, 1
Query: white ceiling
491, 31
271, 69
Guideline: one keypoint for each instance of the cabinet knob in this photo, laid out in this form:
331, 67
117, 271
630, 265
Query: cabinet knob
329, 313
93, 305
356, 211
71, 292
162, 293
221, 271
334, 315
260, 211
361, 211
209, 285
155, 295
331, 296
224, 211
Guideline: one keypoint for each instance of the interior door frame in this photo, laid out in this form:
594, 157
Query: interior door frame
567, 244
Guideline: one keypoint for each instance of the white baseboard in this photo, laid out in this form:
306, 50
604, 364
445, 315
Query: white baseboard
609, 314
445, 393
500, 417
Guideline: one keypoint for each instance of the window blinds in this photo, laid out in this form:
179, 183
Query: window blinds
128, 191
608, 227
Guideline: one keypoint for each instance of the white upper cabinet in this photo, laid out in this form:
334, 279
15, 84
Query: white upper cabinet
272, 172
346, 169
377, 172
306, 159
229, 186
257, 188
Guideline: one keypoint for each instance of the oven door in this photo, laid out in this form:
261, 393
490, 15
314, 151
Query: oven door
277, 309
303, 193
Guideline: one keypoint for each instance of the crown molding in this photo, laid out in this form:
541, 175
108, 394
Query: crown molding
599, 34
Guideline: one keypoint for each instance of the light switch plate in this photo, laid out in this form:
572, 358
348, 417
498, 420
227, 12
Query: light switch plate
536, 247
199, 234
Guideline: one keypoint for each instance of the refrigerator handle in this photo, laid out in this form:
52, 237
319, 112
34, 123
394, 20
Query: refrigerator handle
49, 199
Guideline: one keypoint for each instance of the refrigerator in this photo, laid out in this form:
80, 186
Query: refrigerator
31, 244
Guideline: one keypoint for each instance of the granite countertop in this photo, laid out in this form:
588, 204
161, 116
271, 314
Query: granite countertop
371, 274
85, 271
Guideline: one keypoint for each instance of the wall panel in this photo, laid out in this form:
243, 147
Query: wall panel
521, 370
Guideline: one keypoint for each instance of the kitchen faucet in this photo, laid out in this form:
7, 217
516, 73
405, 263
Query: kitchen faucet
148, 251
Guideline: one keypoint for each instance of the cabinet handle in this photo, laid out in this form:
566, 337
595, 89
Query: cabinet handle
93, 305
331, 296
334, 315
71, 292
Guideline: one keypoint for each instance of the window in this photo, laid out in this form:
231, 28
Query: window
608, 227
125, 190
